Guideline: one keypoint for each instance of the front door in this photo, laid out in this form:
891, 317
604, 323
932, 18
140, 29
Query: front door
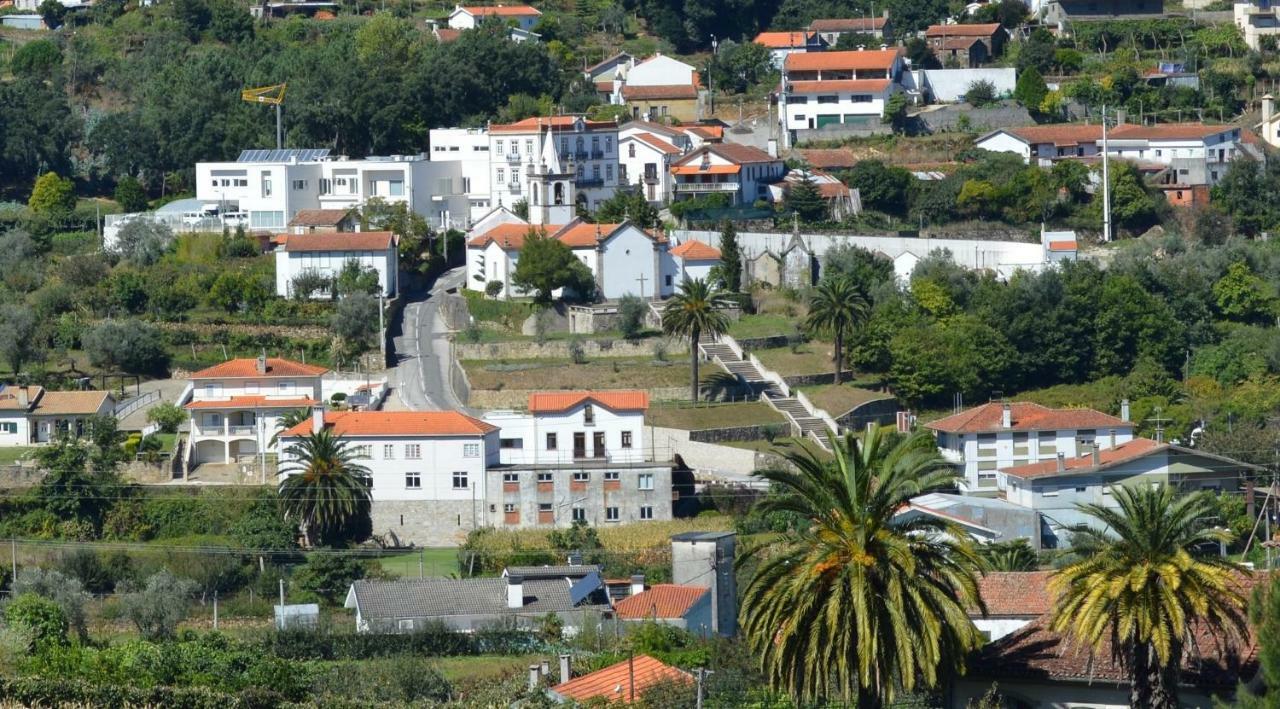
579, 445
597, 443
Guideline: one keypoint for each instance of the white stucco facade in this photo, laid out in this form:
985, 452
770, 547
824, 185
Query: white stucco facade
293, 261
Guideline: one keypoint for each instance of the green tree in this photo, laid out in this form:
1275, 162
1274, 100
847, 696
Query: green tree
1030, 89
356, 278
328, 576
1132, 205
323, 487
696, 310
19, 344
805, 200
130, 195
1013, 555
862, 606
1264, 614
167, 415
53, 13
130, 346
631, 315
230, 22
355, 320
38, 618
838, 307
288, 420
52, 196
1147, 580
980, 93
547, 264
143, 242
626, 205
895, 110
263, 526
730, 266
38, 59
881, 187
66, 591
1241, 295
157, 608
933, 361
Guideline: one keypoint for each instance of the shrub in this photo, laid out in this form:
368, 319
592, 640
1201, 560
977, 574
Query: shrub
158, 607
66, 592
980, 93
167, 415
328, 576
576, 352
493, 288
631, 315
128, 345
41, 619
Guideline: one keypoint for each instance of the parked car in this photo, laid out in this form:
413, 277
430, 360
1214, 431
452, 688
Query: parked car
235, 219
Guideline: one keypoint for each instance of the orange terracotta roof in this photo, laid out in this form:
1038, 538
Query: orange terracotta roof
1061, 134
59, 403
706, 132
851, 24
835, 61
252, 402
1166, 131
604, 87
624, 682
1015, 593
869, 85
962, 30
1026, 417
708, 170
397, 423
1107, 457
247, 368
1062, 246
672, 91
319, 217
9, 397
552, 123
579, 234
783, 40
501, 10
340, 241
447, 35
664, 600
658, 143
694, 250
510, 236
830, 158
551, 402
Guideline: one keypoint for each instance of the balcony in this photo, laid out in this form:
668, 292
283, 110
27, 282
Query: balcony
598, 454
695, 187
597, 154
580, 155
224, 429
590, 181
651, 179
513, 157
249, 430
514, 188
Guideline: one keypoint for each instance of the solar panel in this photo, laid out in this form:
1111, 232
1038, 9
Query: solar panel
285, 155
585, 586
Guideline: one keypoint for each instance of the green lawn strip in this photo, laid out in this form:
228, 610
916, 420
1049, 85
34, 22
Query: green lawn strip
10, 455
808, 358
695, 418
434, 561
838, 400
596, 373
764, 325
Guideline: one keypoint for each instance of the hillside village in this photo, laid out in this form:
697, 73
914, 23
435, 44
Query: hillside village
653, 353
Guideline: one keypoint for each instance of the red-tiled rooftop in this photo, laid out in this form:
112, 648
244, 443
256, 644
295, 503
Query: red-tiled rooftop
253, 401
554, 123
1166, 131
836, 61
783, 40
658, 143
247, 368
985, 30
1016, 593
850, 24
618, 400
501, 10
340, 241
397, 423
1107, 457
319, 217
578, 235
509, 236
1026, 416
664, 600
694, 250
624, 682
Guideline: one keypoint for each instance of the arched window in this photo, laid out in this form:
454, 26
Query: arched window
559, 193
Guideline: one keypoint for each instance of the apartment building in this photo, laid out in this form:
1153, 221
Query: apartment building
1258, 22
741, 171
468, 148
554, 162
831, 94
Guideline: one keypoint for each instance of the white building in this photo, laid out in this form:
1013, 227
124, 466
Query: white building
271, 186
559, 162
694, 260
645, 163
783, 44
235, 407
659, 87
829, 94
1257, 19
468, 148
469, 17
988, 438
327, 254
32, 414
741, 171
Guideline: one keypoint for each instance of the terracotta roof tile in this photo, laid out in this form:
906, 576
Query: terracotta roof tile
694, 250
1016, 593
1166, 131
1063, 246
247, 368
552, 123
615, 682
447, 35
319, 217
835, 61
672, 91
618, 400
1107, 457
397, 423
870, 85
55, 403
9, 397
665, 600
1026, 416
501, 10
1060, 134
579, 234
252, 402
829, 158
706, 132
964, 43
658, 143
784, 40
510, 236
850, 24
962, 30
708, 170
340, 241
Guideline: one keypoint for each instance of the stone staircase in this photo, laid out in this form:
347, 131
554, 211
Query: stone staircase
803, 418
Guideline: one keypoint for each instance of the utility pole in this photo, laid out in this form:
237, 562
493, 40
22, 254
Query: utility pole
1106, 181
13, 558
215, 610
701, 676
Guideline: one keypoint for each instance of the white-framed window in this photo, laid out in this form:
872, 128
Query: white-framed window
413, 481
509, 507
395, 188
502, 175
511, 477
299, 185
608, 172
544, 477
412, 451
551, 441
388, 451
266, 186
626, 439
608, 143
8, 426
611, 476
611, 514
285, 386
364, 451
405, 625
645, 481
579, 514
646, 512
544, 506
582, 476
528, 146
470, 450
459, 480
501, 144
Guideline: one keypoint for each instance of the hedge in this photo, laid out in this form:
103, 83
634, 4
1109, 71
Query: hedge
48, 692
437, 641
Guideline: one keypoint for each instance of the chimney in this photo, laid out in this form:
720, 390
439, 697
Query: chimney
1006, 417
24, 399
772, 148
574, 558
1268, 110
1062, 463
533, 677
262, 363
317, 418
862, 47
1124, 410
637, 584
564, 667
1121, 116
1097, 455
515, 592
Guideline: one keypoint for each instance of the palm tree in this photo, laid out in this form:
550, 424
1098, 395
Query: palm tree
1145, 583
696, 309
1014, 555
837, 307
323, 487
288, 420
863, 605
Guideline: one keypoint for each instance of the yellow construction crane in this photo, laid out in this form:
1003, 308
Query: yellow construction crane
272, 95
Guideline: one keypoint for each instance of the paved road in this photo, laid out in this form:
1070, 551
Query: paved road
421, 380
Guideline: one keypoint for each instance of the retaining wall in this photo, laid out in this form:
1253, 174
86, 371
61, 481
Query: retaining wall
704, 458
519, 398
559, 349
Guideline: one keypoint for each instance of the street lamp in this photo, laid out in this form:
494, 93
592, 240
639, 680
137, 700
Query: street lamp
711, 78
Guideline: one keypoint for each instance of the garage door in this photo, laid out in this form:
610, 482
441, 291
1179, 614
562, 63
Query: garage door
828, 120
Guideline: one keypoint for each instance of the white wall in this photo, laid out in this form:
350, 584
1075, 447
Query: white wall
660, 71
1002, 142
985, 457
532, 430
694, 270
950, 85
289, 264
803, 116
629, 256
469, 148
646, 154
20, 434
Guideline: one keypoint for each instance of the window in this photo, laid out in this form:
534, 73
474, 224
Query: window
608, 143
611, 514
395, 188
286, 387
1080, 489
581, 477
459, 480
8, 426
509, 508
528, 146
626, 439
266, 186
798, 100
666, 280
579, 514
1048, 442
595, 172
608, 172
501, 144
631, 150
544, 506
828, 99
388, 451
588, 414
502, 175
466, 185
646, 512
511, 477
413, 481
412, 451
544, 477
611, 476
860, 98
551, 441
299, 184
364, 451
595, 144
405, 625
511, 443
471, 450
645, 481
326, 185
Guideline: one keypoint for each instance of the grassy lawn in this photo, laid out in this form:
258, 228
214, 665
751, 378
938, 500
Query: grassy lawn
436, 561
809, 358
597, 373
12, 454
693, 418
488, 335
838, 400
485, 667
764, 325
780, 446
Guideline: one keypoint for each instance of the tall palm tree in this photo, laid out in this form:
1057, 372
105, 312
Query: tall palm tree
323, 486
288, 420
1145, 583
696, 309
837, 307
862, 605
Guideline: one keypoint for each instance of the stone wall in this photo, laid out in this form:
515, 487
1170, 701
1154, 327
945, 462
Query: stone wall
519, 398
810, 380
945, 118
426, 522
763, 343
20, 476
705, 459
739, 433
559, 349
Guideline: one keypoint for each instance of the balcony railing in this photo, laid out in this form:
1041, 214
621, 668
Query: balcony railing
651, 179
597, 154
580, 155
513, 157
707, 187
242, 430
514, 187
590, 181
225, 429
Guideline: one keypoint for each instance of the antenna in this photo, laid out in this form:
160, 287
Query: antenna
1159, 421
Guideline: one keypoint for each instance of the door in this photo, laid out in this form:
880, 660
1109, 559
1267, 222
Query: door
597, 443
579, 445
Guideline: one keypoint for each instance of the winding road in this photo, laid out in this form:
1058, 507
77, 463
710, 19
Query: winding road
423, 351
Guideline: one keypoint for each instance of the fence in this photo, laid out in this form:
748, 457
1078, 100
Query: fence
132, 405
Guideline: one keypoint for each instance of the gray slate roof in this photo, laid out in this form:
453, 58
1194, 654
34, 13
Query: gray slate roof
560, 571
426, 598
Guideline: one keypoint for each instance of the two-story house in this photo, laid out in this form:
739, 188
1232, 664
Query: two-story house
782, 44
326, 254
966, 45
661, 88
836, 93
235, 407
426, 468
986, 439
645, 162
740, 171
